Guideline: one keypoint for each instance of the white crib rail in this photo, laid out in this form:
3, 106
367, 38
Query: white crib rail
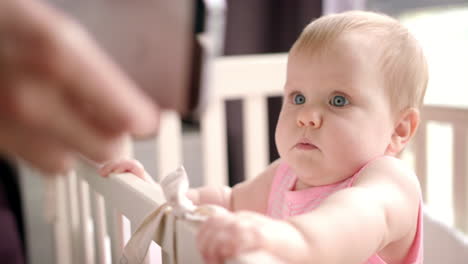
133, 198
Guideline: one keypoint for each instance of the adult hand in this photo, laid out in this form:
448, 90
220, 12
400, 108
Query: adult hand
59, 94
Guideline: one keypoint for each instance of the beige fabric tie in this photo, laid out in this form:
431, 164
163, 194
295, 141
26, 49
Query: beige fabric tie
160, 224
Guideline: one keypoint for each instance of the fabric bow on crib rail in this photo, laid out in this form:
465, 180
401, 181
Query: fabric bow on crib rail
160, 225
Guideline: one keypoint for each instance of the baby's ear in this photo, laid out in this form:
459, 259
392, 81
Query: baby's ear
404, 130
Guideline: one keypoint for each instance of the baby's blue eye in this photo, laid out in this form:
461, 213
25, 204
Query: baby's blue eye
299, 99
339, 101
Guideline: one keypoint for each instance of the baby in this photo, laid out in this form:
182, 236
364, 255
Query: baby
338, 193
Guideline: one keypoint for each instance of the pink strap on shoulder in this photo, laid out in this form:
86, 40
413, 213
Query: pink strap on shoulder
280, 175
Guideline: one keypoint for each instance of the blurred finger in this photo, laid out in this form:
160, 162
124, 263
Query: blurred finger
222, 245
212, 234
96, 80
43, 109
40, 151
57, 161
204, 236
54, 45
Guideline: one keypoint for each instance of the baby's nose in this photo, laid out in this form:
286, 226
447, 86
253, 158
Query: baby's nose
310, 123
313, 119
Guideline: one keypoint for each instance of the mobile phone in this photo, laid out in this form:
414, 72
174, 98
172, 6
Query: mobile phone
155, 42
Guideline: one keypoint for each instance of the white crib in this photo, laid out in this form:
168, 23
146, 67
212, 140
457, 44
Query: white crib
89, 227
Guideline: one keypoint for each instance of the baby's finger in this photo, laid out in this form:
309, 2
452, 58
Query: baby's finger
205, 236
109, 167
121, 166
217, 242
132, 166
129, 166
106, 169
224, 246
121, 169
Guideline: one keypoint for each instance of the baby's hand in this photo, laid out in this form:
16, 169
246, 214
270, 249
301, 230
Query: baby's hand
125, 165
226, 235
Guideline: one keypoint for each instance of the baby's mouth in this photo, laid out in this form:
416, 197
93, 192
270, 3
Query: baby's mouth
305, 144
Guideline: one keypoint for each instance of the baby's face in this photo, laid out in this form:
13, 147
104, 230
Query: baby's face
335, 115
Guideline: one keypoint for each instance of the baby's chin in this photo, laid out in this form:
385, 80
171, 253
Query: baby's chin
316, 173
308, 171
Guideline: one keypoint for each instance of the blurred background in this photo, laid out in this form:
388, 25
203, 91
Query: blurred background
271, 26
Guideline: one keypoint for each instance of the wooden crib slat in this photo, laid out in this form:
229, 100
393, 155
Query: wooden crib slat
114, 222
147, 198
237, 77
445, 114
62, 230
138, 191
458, 118
256, 135
214, 144
246, 78
187, 250
100, 226
460, 182
73, 215
86, 223
115, 229
169, 143
114, 219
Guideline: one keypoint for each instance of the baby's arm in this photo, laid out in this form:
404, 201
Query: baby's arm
353, 224
217, 195
227, 234
204, 195
251, 195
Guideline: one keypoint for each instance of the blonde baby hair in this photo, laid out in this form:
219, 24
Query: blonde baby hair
401, 59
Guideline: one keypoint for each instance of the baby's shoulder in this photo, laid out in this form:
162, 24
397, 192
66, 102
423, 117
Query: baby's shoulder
253, 194
389, 170
391, 165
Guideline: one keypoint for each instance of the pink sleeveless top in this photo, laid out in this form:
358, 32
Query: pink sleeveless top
283, 203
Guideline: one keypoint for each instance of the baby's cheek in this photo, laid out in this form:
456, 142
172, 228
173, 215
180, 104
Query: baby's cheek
280, 140
352, 155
